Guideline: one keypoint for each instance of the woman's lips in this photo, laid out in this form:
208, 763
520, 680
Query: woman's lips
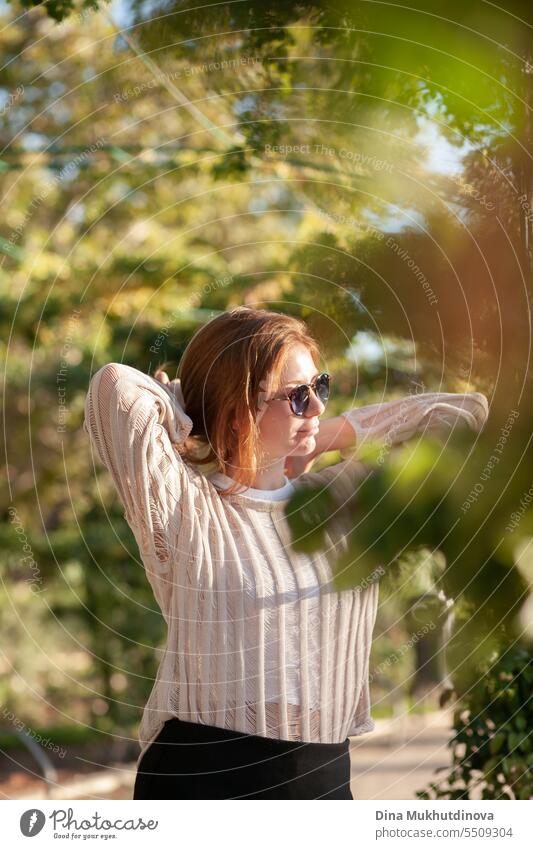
308, 431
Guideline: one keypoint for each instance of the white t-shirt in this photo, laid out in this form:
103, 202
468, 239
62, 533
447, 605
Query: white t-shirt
222, 481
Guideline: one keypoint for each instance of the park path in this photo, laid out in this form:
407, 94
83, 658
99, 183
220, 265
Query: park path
400, 756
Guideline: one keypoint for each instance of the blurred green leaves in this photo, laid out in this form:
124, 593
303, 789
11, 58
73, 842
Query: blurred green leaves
409, 169
420, 498
492, 752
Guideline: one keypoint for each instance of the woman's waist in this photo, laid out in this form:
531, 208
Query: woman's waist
180, 731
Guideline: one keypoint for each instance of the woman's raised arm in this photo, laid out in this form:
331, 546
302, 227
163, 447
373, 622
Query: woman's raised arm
392, 422
389, 423
132, 420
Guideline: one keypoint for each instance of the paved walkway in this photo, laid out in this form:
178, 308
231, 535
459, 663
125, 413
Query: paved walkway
400, 756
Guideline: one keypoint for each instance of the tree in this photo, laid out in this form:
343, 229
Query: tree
290, 156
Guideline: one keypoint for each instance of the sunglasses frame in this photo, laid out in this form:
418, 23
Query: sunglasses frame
289, 396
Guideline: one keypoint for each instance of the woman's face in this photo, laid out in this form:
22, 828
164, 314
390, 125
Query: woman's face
282, 432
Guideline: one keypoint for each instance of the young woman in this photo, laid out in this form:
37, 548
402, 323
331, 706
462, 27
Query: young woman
265, 671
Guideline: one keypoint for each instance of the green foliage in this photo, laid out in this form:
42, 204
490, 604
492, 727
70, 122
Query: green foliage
281, 159
308, 512
492, 750
418, 499
61, 9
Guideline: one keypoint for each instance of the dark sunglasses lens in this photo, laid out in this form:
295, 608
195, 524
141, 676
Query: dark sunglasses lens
322, 387
300, 400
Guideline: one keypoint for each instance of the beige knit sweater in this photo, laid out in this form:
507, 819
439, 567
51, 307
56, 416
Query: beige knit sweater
258, 640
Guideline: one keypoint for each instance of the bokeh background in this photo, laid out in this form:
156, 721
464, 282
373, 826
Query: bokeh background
364, 165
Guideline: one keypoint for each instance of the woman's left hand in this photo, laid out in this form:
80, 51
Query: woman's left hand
295, 466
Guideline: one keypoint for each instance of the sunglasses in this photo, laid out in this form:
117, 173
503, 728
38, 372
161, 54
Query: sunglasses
300, 396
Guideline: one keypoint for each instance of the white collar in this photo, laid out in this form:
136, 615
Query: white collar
262, 494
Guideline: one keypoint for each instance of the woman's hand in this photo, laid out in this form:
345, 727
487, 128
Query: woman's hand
174, 386
297, 465
334, 434
161, 376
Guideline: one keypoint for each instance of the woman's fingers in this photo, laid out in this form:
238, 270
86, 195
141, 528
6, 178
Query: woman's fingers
295, 466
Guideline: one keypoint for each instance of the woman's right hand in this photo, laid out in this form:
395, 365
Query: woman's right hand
173, 385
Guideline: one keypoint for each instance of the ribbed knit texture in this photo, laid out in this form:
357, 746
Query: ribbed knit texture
258, 640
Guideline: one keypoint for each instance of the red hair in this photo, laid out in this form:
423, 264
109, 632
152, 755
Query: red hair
220, 373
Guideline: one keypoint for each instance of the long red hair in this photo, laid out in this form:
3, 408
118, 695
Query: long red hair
220, 374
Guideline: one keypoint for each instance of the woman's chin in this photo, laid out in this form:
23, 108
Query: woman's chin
304, 444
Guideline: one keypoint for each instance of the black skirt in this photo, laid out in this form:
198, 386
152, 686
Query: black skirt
189, 760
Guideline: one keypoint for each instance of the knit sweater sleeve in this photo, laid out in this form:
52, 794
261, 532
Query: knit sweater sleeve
132, 421
392, 422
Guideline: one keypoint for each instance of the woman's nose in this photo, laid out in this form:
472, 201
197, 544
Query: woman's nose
316, 407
